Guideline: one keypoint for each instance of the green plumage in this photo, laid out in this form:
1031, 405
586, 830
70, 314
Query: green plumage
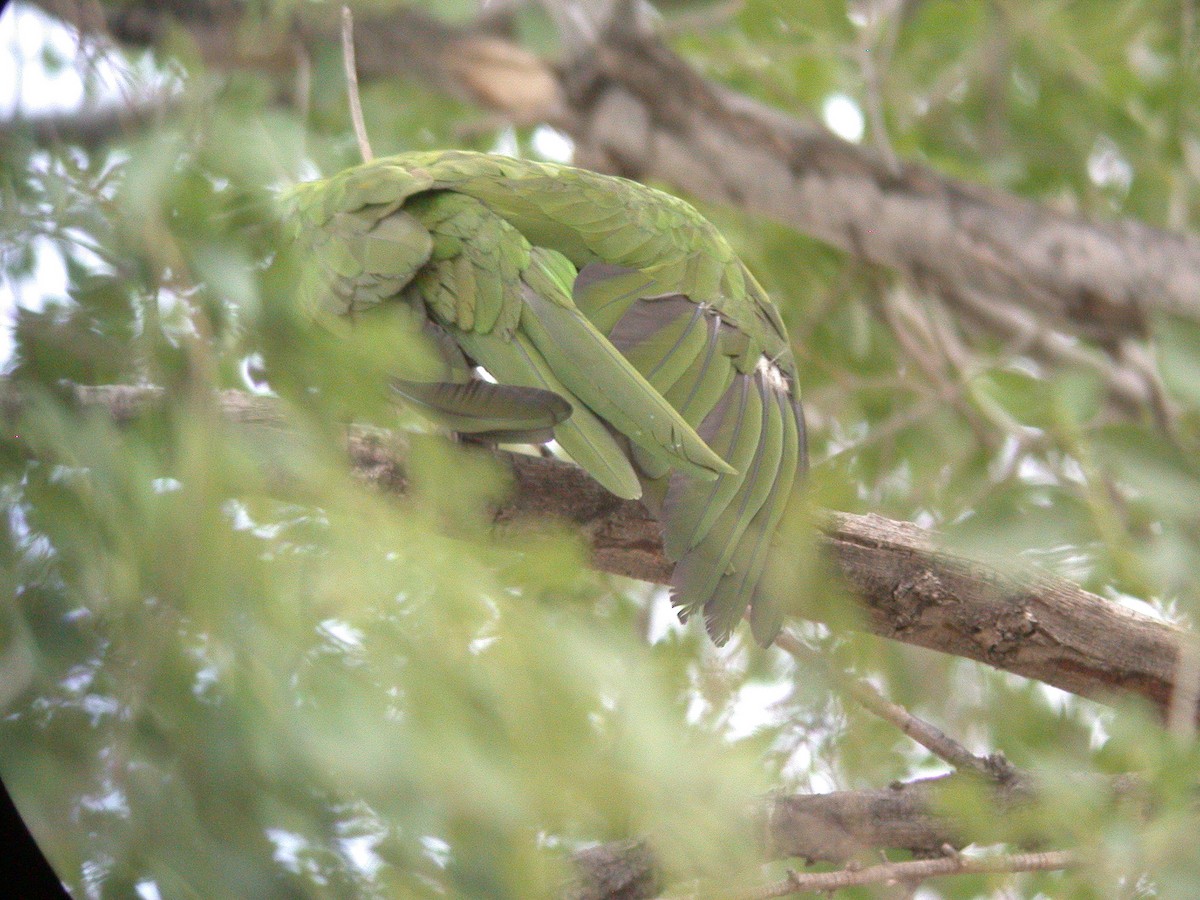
613, 316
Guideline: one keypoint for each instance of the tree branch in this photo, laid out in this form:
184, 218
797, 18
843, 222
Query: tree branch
1029, 623
89, 128
641, 111
843, 826
915, 870
924, 733
1026, 622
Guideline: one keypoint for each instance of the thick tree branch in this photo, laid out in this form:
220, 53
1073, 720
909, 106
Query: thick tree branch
1032, 624
994, 258
657, 118
839, 827
1029, 623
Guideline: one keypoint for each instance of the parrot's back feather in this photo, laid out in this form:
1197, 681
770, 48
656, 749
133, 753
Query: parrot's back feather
615, 319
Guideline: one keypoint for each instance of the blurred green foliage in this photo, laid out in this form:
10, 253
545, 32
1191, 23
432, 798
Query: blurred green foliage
230, 668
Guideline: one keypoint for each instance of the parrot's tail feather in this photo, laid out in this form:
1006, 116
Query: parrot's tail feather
690, 508
699, 571
705, 382
721, 534
748, 560
784, 559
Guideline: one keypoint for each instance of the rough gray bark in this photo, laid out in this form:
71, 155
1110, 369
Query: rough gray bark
656, 118
622, 870
1025, 622
1004, 265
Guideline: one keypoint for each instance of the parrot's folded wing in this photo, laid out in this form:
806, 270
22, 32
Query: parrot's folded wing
615, 318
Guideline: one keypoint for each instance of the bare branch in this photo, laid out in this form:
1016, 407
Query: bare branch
917, 869
924, 733
90, 128
352, 96
843, 826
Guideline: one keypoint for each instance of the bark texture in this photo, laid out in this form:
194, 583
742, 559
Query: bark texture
1032, 624
654, 117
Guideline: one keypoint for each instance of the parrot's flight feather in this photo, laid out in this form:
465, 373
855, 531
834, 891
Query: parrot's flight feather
503, 413
598, 374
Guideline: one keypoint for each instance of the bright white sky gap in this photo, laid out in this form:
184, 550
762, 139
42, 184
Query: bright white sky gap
27, 87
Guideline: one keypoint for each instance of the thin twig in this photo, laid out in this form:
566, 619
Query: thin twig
874, 46
302, 98
356, 113
924, 733
896, 872
912, 330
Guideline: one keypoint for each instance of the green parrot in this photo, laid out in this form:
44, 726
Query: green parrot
611, 316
